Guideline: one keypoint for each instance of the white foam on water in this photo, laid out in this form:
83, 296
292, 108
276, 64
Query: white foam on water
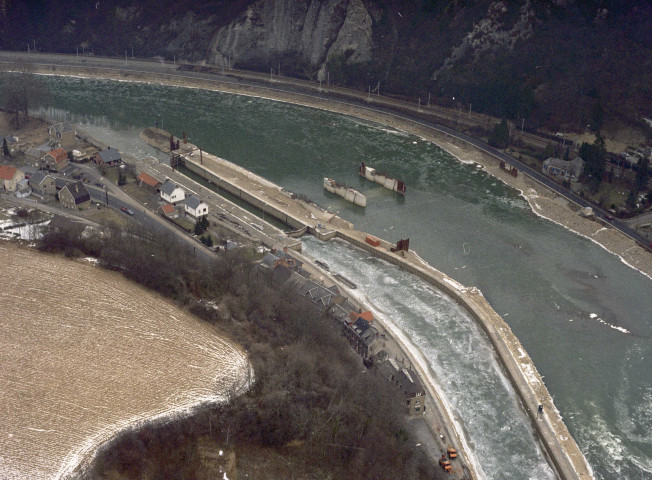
459, 361
595, 317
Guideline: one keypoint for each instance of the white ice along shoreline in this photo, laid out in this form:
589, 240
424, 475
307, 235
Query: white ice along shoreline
425, 369
434, 142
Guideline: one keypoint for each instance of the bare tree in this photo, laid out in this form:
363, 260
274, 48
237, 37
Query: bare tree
22, 90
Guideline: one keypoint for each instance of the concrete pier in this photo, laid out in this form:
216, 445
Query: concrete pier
559, 445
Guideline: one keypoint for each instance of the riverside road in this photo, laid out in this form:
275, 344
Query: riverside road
403, 110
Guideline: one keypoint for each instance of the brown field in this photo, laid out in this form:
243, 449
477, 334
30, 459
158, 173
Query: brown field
85, 354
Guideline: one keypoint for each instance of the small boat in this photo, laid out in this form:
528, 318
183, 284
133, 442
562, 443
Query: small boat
385, 180
347, 193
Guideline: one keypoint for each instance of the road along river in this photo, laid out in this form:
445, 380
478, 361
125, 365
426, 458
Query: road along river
583, 316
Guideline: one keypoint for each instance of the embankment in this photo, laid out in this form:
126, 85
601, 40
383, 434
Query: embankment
559, 445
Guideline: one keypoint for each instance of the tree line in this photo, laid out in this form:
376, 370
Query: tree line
311, 391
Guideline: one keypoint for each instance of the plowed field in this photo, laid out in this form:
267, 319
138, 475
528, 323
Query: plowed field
85, 354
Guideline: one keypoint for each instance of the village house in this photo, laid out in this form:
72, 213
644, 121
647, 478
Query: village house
8, 144
10, 177
149, 182
23, 190
172, 193
74, 196
556, 167
42, 183
64, 134
409, 384
321, 296
361, 335
108, 157
195, 208
34, 156
168, 211
55, 160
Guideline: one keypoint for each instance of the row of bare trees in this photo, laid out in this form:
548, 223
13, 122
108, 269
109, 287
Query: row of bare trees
22, 90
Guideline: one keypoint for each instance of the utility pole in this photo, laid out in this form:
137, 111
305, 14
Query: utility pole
125, 57
522, 123
271, 69
428, 99
132, 51
77, 50
470, 105
419, 103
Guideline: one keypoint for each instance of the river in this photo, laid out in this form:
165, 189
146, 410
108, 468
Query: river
584, 317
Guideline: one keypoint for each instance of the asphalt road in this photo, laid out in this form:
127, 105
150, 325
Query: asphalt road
358, 99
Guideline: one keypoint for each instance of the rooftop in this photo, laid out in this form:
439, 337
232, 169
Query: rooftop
168, 187
7, 172
110, 155
148, 180
193, 202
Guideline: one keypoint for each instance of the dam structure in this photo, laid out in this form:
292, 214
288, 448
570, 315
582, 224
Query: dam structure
558, 444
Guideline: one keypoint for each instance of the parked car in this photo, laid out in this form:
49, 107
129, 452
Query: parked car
126, 210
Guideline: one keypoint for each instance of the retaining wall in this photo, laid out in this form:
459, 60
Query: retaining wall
499, 333
244, 195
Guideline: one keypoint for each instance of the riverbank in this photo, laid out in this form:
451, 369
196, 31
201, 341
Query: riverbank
543, 201
559, 445
550, 293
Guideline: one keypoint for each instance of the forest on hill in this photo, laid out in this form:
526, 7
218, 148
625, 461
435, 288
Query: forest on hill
559, 64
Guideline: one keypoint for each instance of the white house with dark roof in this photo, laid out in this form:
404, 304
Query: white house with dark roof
409, 384
172, 193
195, 208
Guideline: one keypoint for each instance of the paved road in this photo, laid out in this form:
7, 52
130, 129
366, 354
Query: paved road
331, 94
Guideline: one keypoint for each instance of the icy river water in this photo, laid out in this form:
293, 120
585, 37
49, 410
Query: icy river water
584, 317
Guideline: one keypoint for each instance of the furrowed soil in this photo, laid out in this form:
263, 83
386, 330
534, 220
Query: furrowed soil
85, 354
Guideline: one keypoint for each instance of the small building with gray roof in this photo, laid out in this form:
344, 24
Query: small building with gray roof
408, 382
172, 193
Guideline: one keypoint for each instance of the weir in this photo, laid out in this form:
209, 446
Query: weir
559, 445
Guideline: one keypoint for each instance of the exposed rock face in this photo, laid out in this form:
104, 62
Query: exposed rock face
490, 34
307, 31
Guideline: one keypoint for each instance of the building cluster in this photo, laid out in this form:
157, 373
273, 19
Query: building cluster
175, 200
47, 172
357, 326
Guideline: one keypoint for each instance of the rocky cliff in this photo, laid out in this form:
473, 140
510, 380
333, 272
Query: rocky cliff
294, 36
562, 64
